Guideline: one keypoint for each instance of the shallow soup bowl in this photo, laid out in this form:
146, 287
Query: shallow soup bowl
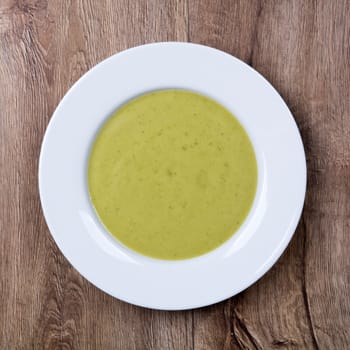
189, 283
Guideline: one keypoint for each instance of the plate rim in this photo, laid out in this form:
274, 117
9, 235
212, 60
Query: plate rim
250, 281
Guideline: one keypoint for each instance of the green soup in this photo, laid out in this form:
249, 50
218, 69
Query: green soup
172, 174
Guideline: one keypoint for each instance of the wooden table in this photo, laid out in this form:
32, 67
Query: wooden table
302, 48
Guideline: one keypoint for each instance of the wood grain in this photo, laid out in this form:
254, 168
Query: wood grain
302, 47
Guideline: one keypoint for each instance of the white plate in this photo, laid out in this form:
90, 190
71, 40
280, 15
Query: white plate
191, 283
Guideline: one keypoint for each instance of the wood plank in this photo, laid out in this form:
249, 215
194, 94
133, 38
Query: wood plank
302, 47
45, 48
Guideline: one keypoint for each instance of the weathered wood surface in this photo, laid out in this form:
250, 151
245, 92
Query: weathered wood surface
302, 47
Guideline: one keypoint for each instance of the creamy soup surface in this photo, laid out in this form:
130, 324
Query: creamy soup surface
172, 174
